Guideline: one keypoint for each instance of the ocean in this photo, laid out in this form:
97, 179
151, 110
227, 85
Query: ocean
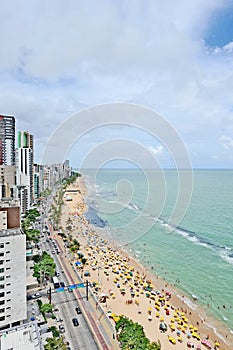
134, 208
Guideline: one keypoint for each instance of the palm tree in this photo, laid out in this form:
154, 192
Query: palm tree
55, 344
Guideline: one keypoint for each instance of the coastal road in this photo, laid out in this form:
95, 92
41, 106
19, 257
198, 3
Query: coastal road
79, 337
102, 342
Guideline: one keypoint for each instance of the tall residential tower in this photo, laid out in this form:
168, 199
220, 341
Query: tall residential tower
7, 140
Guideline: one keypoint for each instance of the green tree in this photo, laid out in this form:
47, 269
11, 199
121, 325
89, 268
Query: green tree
55, 344
44, 268
131, 336
46, 308
55, 331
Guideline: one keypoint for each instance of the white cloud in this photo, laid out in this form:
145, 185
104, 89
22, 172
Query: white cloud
226, 142
156, 150
57, 58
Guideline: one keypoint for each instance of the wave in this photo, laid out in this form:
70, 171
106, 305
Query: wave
226, 253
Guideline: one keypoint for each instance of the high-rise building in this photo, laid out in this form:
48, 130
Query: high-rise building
7, 140
13, 309
25, 177
8, 182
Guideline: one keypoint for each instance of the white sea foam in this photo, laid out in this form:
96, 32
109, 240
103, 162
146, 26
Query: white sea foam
188, 302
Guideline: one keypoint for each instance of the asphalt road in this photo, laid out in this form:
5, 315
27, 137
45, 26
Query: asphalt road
79, 337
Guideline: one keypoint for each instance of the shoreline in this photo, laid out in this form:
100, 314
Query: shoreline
205, 324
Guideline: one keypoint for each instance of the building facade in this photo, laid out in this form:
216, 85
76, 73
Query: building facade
7, 140
25, 170
13, 308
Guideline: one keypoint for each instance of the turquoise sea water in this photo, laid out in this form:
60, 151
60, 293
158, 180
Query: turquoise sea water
197, 256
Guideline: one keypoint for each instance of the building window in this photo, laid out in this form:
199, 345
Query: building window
8, 300
2, 286
1, 269
2, 310
2, 294
1, 254
8, 292
8, 268
2, 318
8, 276
2, 278
8, 284
7, 242
8, 260
1, 245
8, 252
2, 302
1, 262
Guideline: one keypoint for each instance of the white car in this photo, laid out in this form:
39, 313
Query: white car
36, 295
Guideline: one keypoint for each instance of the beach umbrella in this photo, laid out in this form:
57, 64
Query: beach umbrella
150, 318
172, 340
197, 336
217, 344
172, 327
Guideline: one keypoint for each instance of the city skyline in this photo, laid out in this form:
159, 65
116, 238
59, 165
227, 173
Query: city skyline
175, 59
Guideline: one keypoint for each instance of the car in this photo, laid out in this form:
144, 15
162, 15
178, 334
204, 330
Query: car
29, 297
75, 322
61, 328
62, 284
53, 252
78, 310
36, 295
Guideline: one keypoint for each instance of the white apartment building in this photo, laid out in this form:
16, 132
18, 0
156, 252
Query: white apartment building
24, 158
13, 309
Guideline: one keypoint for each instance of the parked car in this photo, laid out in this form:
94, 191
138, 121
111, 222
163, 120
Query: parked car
78, 310
36, 295
61, 328
75, 322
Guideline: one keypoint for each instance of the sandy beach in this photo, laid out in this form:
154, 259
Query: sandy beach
124, 287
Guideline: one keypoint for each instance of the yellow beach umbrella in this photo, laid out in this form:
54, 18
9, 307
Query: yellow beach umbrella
172, 327
180, 339
197, 336
172, 340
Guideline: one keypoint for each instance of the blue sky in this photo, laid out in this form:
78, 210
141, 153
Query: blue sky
176, 58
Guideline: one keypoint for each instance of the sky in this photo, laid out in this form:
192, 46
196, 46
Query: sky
175, 58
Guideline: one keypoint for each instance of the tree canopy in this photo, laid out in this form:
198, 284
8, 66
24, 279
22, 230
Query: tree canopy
132, 336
